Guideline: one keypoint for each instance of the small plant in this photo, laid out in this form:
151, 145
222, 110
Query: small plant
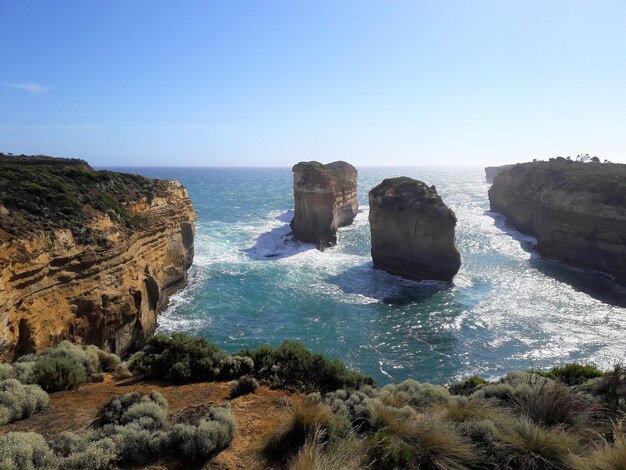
468, 386
307, 419
243, 386
19, 401
25, 450
413, 393
572, 374
54, 374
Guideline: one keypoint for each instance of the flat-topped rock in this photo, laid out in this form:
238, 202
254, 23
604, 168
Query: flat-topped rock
576, 210
492, 171
412, 231
325, 199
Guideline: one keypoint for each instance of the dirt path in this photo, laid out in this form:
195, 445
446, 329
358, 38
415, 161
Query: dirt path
256, 414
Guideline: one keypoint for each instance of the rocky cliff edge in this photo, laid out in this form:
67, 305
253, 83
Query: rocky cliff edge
85, 255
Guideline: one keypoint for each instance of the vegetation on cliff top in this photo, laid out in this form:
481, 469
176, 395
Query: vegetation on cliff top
46, 193
606, 182
571, 417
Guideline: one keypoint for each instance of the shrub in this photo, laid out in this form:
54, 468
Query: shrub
293, 365
25, 451
243, 385
351, 406
307, 419
552, 406
59, 373
526, 445
213, 433
19, 401
413, 393
179, 358
23, 372
346, 454
572, 374
150, 411
425, 441
468, 386
6, 371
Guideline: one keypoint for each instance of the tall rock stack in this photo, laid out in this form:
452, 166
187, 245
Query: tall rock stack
412, 231
325, 199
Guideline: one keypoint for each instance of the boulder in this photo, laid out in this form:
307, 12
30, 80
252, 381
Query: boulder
325, 199
412, 231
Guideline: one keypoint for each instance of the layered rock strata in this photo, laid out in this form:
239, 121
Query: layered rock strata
492, 171
412, 231
99, 277
325, 199
576, 210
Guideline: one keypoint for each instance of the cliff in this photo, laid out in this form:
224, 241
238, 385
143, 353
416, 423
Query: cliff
492, 171
89, 256
576, 210
325, 199
412, 231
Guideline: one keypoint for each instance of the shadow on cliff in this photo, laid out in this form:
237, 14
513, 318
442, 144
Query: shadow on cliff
597, 285
278, 242
386, 288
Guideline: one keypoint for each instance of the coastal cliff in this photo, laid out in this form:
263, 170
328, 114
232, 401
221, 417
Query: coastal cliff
492, 171
325, 199
85, 255
412, 231
576, 210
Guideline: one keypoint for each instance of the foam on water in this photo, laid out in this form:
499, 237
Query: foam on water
507, 309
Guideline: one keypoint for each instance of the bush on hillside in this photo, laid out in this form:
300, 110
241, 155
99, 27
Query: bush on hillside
179, 358
468, 386
294, 366
411, 392
55, 374
243, 386
572, 374
19, 401
26, 451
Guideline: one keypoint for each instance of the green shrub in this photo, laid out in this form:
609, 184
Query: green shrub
23, 371
351, 406
411, 392
468, 386
179, 358
293, 365
150, 411
243, 386
424, 441
572, 374
526, 445
19, 401
6, 371
213, 433
306, 419
25, 451
59, 373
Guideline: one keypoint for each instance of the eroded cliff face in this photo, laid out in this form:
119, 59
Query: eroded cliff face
325, 199
577, 211
412, 230
105, 288
492, 171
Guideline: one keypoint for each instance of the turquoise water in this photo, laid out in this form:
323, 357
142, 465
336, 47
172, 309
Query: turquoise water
507, 308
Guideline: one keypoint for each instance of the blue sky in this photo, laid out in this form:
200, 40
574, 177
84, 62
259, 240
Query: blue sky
271, 83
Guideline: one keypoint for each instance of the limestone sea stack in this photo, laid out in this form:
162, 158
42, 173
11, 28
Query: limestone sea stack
412, 231
576, 210
85, 255
325, 199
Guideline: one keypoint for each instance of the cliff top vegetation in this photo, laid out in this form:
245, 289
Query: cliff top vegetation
45, 193
605, 181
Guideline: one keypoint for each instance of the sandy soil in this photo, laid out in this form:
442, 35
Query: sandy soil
256, 414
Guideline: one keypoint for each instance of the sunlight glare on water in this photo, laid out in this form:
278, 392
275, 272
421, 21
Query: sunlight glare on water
507, 308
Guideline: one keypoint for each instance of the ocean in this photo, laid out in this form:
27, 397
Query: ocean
507, 308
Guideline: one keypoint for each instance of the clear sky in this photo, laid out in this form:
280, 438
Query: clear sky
271, 83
